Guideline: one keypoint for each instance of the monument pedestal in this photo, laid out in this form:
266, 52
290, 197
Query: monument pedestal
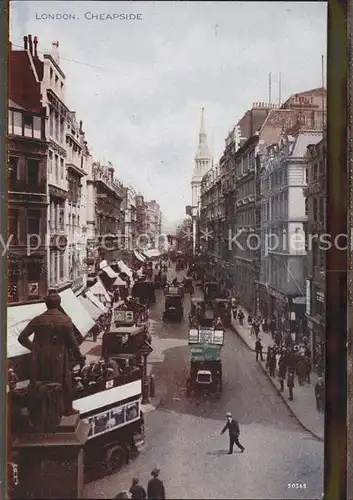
51, 464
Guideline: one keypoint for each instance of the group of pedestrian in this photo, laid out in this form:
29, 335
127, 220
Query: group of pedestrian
155, 489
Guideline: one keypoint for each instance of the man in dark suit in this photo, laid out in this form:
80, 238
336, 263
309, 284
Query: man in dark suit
233, 429
155, 487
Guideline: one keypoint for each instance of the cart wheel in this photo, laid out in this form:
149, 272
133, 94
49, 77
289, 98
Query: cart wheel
115, 461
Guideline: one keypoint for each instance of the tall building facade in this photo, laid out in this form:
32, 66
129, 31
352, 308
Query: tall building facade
315, 199
153, 222
129, 207
27, 205
283, 254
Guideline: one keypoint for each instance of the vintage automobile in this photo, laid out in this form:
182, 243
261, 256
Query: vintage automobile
173, 308
160, 280
224, 311
174, 289
188, 285
144, 291
211, 290
121, 340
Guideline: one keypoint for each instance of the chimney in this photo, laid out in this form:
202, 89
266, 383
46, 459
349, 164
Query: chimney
30, 43
25, 42
81, 126
35, 43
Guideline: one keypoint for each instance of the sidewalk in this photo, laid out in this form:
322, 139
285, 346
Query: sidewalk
92, 351
303, 408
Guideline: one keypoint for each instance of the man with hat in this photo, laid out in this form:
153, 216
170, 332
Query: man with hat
233, 429
155, 487
136, 490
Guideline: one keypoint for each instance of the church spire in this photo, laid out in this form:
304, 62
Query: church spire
203, 150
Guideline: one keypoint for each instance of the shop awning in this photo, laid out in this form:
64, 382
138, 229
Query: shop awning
139, 257
92, 310
18, 318
99, 291
103, 266
124, 268
153, 252
75, 310
119, 282
96, 301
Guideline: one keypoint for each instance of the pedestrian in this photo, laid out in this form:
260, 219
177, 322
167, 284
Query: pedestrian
232, 426
272, 362
241, 317
155, 488
258, 350
301, 369
256, 328
290, 383
250, 319
278, 338
307, 369
136, 491
320, 394
282, 370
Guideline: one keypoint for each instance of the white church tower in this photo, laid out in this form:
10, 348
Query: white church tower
203, 162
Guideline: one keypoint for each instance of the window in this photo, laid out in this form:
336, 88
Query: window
12, 282
33, 272
13, 226
13, 169
62, 168
51, 122
315, 209
51, 73
33, 222
321, 209
28, 125
306, 207
315, 172
17, 123
32, 172
10, 122
306, 175
57, 126
57, 168
61, 266
50, 162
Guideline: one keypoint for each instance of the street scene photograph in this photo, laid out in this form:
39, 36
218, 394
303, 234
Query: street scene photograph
166, 250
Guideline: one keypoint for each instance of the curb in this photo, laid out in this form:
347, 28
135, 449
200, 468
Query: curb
316, 436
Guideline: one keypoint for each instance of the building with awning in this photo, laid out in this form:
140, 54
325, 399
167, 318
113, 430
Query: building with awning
103, 266
91, 308
152, 253
139, 257
119, 282
18, 318
124, 268
96, 301
71, 305
99, 291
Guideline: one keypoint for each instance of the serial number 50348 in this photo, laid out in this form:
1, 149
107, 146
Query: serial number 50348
297, 486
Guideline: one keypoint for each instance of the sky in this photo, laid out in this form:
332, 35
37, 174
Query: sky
139, 85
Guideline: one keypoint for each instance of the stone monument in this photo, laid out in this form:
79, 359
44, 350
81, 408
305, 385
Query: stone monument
51, 435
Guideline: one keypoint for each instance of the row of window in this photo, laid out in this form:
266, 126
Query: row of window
30, 174
57, 264
246, 189
275, 179
31, 274
56, 166
24, 124
32, 224
276, 208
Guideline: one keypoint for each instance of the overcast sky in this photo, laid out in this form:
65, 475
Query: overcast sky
139, 85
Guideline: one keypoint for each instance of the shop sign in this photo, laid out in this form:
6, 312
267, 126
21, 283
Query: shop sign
307, 296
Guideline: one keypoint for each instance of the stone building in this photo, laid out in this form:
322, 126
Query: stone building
141, 218
129, 207
27, 204
76, 202
315, 199
108, 195
283, 217
153, 222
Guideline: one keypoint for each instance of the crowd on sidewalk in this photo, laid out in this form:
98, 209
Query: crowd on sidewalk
287, 364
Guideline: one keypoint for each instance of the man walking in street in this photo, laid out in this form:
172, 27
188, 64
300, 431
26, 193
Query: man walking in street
155, 488
136, 491
258, 349
234, 432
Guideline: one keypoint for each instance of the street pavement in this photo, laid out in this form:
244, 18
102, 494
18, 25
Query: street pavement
281, 460
303, 406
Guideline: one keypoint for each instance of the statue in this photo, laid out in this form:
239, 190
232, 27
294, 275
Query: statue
50, 377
